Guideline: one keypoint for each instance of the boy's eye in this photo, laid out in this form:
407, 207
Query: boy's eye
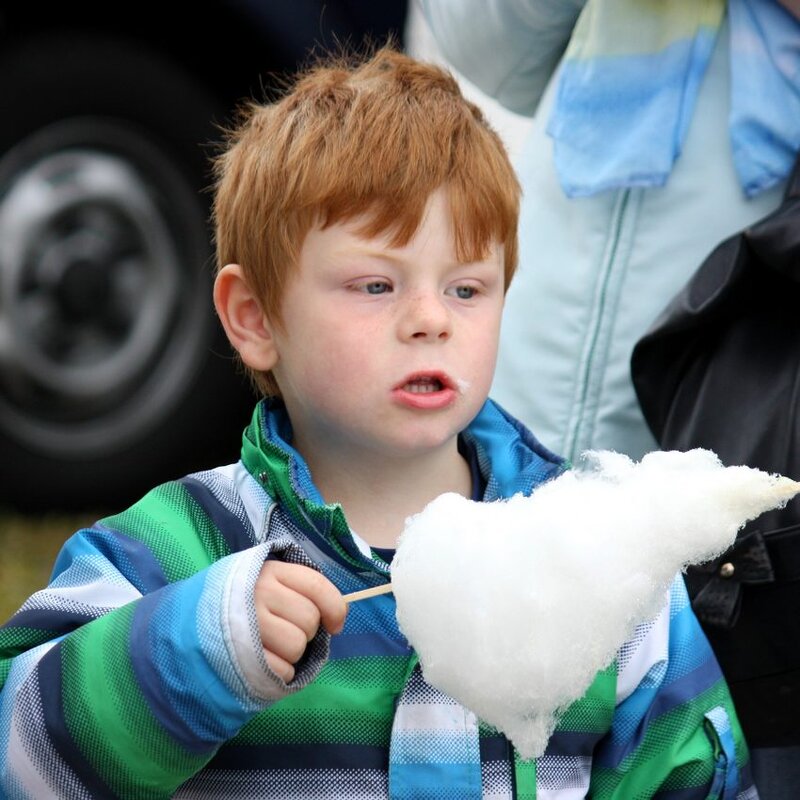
464, 292
375, 287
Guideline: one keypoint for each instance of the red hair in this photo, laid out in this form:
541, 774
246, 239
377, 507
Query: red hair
376, 139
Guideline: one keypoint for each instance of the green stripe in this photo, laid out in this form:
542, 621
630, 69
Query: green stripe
524, 778
171, 524
675, 752
594, 712
352, 701
262, 457
108, 718
16, 640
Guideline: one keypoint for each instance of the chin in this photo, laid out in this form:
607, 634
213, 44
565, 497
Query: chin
423, 441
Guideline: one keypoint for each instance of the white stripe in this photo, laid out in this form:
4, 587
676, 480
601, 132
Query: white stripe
254, 498
561, 794
651, 650
23, 770
97, 595
246, 654
563, 777
434, 717
20, 770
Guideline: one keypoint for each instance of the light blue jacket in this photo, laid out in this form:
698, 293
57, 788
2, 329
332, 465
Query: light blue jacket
594, 272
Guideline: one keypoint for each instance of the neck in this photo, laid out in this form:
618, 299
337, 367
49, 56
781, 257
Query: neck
377, 495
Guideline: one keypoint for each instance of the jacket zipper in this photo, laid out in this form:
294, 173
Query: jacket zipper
580, 428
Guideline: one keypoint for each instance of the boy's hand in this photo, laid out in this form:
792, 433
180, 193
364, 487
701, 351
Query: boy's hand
291, 603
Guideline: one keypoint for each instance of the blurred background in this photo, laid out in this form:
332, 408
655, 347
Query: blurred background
114, 374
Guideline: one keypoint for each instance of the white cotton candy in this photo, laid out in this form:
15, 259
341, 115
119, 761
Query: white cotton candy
514, 606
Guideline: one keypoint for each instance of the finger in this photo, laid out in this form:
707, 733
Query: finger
296, 608
283, 669
322, 593
283, 638
273, 596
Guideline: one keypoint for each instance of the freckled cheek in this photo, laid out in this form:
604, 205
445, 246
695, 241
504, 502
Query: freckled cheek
342, 353
482, 355
355, 336
483, 375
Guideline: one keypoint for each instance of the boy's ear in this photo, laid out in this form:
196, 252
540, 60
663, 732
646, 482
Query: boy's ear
245, 324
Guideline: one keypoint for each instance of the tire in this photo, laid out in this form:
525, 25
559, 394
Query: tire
113, 372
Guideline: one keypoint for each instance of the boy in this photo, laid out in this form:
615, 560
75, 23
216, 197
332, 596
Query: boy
198, 644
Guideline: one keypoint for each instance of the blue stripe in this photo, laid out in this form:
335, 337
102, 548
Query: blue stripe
168, 661
55, 620
415, 781
688, 646
765, 101
237, 534
573, 743
434, 747
355, 645
495, 747
301, 756
629, 714
518, 461
670, 696
691, 669
604, 91
51, 692
282, 523
375, 614
131, 558
718, 719
149, 680
603, 105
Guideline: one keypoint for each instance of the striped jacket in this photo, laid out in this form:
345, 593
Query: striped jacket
138, 672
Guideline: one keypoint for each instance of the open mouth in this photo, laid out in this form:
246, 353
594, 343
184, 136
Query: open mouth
426, 391
426, 385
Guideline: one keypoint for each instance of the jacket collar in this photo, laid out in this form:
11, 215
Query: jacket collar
510, 458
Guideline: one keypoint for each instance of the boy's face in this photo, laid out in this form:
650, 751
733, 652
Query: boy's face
387, 351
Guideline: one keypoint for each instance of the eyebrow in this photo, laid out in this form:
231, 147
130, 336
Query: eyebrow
375, 253
381, 254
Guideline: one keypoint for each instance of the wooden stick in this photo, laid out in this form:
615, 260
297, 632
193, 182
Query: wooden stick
384, 588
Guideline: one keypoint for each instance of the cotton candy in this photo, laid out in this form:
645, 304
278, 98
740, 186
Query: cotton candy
514, 606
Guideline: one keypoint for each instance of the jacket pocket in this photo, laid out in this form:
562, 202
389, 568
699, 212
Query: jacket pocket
725, 785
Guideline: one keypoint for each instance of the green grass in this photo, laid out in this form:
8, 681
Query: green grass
28, 547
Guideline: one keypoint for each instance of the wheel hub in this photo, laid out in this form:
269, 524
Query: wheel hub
92, 287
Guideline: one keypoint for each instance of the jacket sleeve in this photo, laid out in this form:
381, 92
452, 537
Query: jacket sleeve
141, 658
674, 727
507, 48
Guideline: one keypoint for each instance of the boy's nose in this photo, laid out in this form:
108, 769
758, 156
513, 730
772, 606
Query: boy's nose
426, 318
